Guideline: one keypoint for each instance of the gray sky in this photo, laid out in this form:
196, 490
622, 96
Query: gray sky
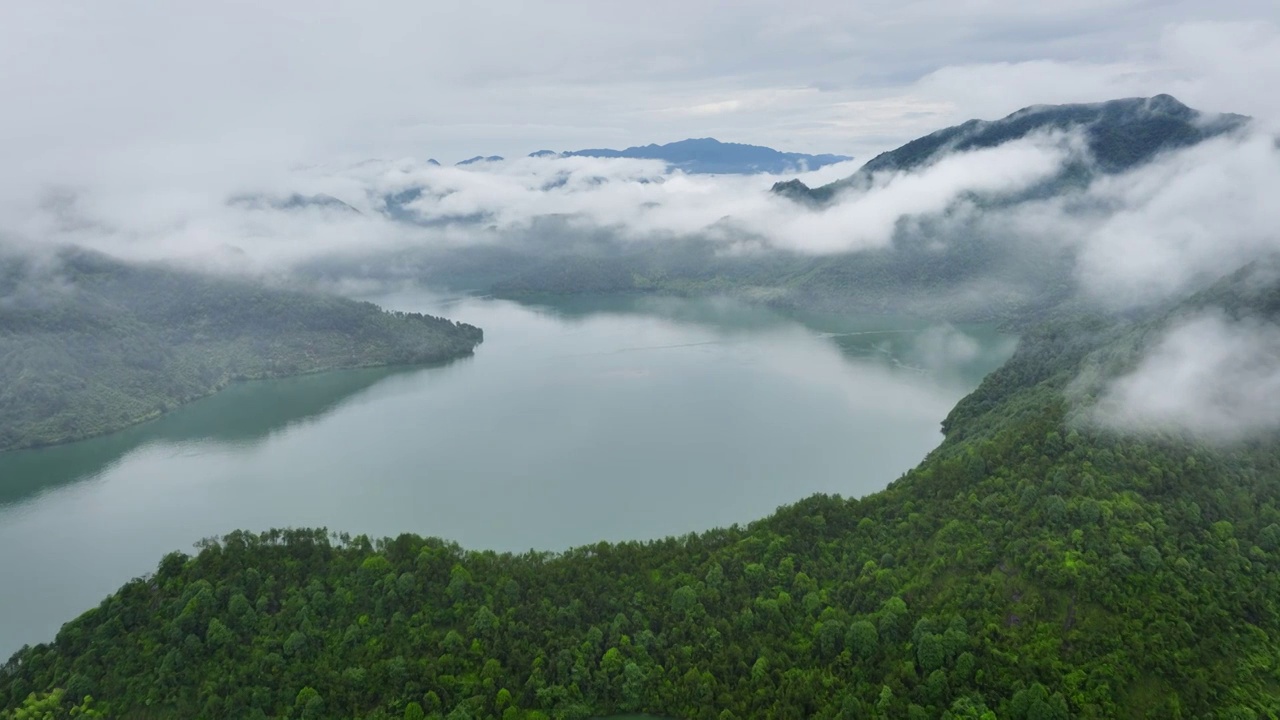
131, 87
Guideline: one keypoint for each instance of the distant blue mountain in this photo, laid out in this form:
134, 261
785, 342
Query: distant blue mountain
708, 155
544, 153
480, 159
296, 201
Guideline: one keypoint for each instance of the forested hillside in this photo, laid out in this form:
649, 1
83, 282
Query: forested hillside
1031, 567
89, 344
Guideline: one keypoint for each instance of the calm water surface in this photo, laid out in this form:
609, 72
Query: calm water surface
584, 420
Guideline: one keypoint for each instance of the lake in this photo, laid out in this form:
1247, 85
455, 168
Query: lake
576, 421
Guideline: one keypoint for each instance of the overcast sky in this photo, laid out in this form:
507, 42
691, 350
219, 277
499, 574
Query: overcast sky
93, 87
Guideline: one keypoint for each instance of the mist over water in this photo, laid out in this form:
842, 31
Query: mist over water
589, 419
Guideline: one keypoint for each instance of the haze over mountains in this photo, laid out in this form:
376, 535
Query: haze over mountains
695, 155
994, 218
1006, 220
988, 219
1119, 135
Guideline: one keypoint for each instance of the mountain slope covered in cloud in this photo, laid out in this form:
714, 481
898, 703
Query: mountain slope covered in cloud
992, 220
1119, 135
988, 220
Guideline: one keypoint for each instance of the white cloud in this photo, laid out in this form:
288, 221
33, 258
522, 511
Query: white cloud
633, 200
1207, 375
1165, 228
1191, 217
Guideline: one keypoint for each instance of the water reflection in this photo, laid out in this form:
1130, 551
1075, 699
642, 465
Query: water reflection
959, 354
242, 414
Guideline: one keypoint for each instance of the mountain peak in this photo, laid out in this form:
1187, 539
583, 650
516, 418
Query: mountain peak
481, 159
1121, 134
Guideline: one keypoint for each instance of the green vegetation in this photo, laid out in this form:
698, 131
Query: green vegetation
1029, 568
90, 345
52, 706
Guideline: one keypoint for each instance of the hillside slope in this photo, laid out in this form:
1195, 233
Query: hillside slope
89, 344
1030, 567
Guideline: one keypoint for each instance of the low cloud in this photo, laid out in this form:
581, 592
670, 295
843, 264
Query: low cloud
407, 204
1132, 239
1208, 376
641, 200
1192, 217
1166, 228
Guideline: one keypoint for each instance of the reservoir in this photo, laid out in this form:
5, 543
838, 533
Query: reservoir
576, 421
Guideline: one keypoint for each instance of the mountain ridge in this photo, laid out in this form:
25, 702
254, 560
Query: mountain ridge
708, 155
1120, 134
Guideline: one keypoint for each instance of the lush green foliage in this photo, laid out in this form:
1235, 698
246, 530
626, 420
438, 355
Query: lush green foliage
1029, 568
51, 706
89, 345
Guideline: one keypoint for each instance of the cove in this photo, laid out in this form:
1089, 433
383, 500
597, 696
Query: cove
577, 420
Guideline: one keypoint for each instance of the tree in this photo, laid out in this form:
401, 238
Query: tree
930, 653
863, 638
684, 599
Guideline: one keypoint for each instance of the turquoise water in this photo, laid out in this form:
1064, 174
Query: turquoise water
574, 422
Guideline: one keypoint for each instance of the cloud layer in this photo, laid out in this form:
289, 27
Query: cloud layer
1208, 375
1139, 237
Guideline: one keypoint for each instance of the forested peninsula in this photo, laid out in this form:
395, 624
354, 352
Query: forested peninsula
1033, 566
90, 344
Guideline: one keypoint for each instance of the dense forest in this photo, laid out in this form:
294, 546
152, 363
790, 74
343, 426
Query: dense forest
89, 344
1032, 567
